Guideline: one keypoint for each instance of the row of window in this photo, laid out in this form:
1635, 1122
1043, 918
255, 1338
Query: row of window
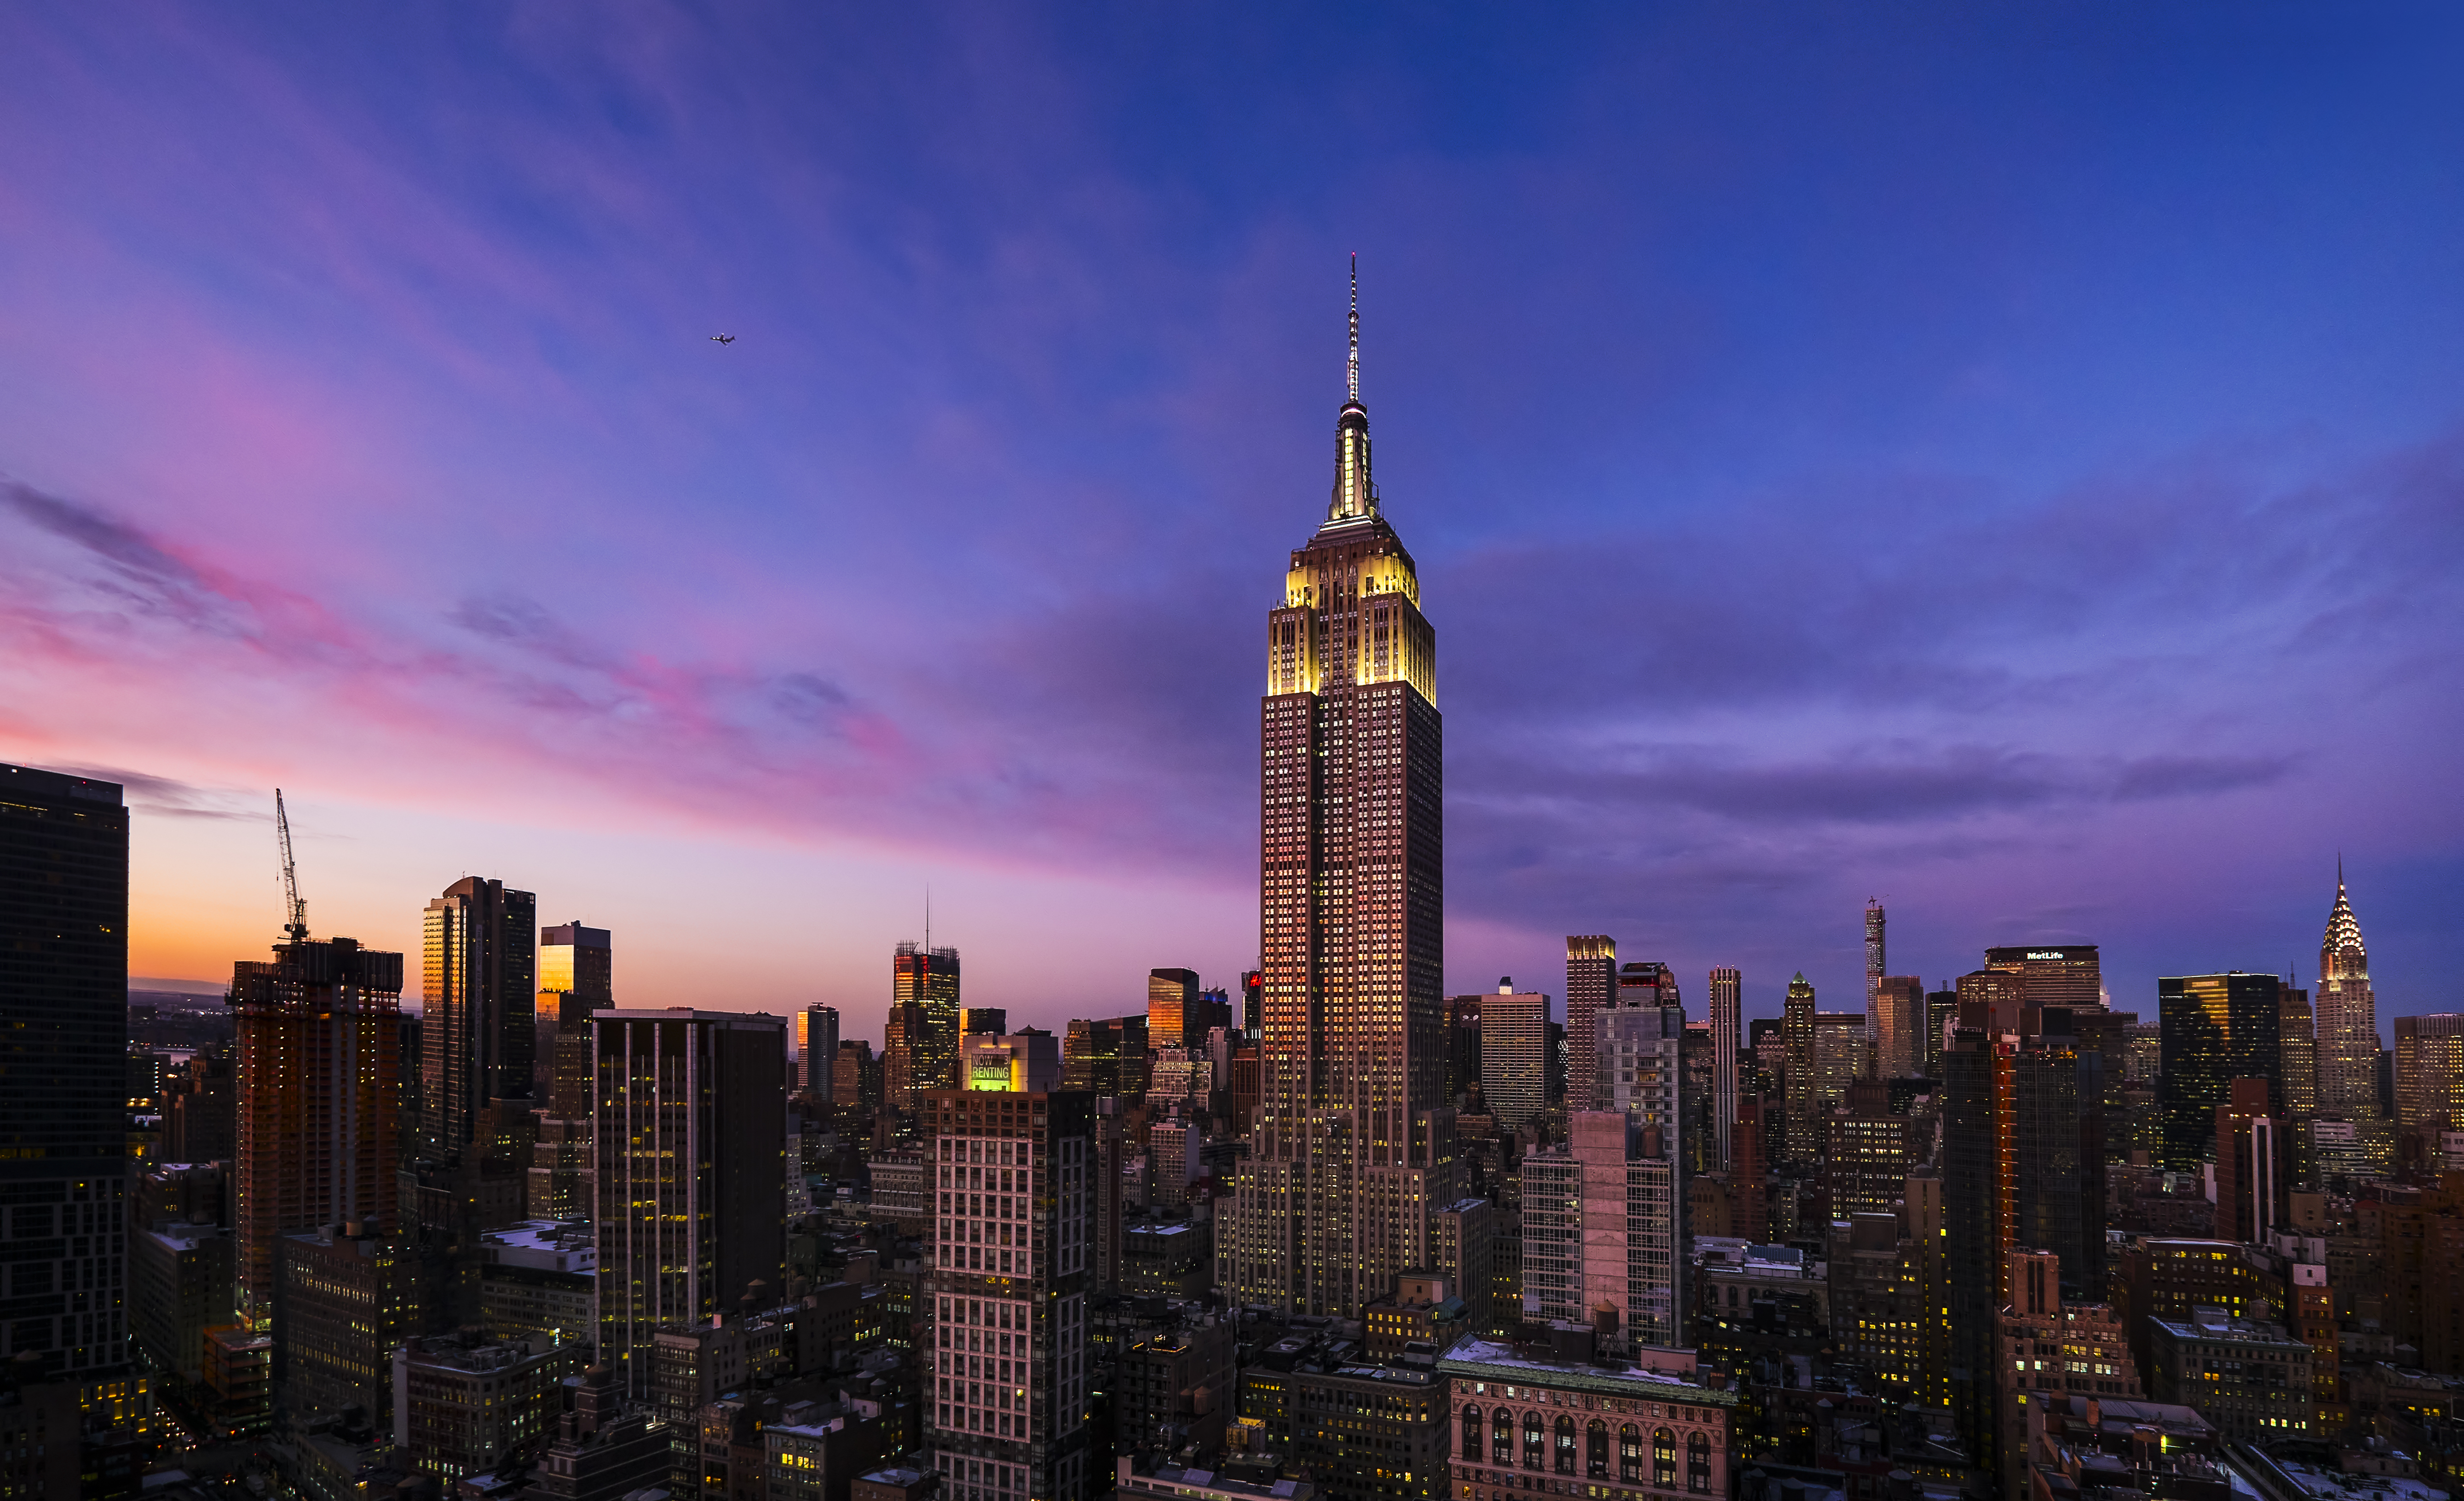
1545, 1448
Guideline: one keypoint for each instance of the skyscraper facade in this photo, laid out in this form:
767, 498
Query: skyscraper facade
318, 1043
919, 1046
817, 1048
1171, 1008
2430, 1077
1354, 1144
479, 988
2054, 974
1898, 1018
2217, 1028
692, 1172
576, 975
1003, 1318
2297, 1046
1876, 963
1591, 987
1604, 1227
1514, 1053
1797, 1082
1726, 992
63, 1045
2347, 1017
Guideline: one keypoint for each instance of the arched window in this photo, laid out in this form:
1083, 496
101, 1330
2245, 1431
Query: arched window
1471, 1432
1535, 1442
1630, 1454
1565, 1445
1501, 1439
1663, 1458
1698, 1464
1595, 1450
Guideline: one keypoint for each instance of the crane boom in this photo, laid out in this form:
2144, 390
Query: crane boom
292, 905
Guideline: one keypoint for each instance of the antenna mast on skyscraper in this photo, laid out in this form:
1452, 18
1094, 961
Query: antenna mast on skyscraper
1351, 366
293, 905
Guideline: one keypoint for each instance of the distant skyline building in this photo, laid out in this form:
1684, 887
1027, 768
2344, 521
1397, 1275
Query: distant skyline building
1026, 1062
63, 1114
576, 975
1639, 1061
817, 1049
1462, 1050
317, 1035
1353, 1150
691, 1173
1797, 1085
1876, 962
2430, 1077
1726, 991
2053, 974
919, 1046
2347, 1017
478, 999
1514, 1053
1591, 987
1898, 1018
1171, 1007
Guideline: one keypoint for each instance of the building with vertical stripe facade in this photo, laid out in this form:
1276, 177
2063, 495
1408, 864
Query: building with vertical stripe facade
1003, 1317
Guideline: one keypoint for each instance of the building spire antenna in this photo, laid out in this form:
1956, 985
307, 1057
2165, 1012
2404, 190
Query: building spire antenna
1351, 366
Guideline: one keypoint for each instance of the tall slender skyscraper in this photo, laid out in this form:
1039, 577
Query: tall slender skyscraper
919, 1046
1725, 987
63, 1047
1354, 1153
1799, 1085
2347, 1017
1876, 966
576, 975
479, 998
1591, 987
817, 1049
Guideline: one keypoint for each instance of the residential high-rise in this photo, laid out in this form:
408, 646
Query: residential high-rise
1726, 990
1002, 1315
479, 997
1354, 1149
2296, 1044
576, 977
1898, 1018
1591, 987
2217, 1028
2347, 1017
2054, 974
318, 1044
1604, 1227
1172, 1005
1877, 965
919, 1046
2430, 1077
64, 1043
1639, 1063
1514, 1053
1797, 1082
817, 1049
692, 1172
2252, 1174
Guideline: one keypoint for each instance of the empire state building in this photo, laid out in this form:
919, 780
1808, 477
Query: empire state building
1353, 1150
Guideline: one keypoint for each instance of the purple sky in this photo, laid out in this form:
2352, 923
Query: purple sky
2006, 461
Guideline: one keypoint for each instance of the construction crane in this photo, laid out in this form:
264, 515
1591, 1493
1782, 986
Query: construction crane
298, 909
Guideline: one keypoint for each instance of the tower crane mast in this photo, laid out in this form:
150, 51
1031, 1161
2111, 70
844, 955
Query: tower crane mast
294, 906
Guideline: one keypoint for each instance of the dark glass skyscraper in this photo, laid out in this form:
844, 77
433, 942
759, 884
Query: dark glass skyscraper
1353, 1147
63, 1070
478, 1002
919, 1046
1591, 988
2217, 1028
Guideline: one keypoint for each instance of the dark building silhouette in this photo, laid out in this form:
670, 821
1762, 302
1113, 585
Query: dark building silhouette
63, 1047
2215, 1028
1591, 988
479, 972
919, 1046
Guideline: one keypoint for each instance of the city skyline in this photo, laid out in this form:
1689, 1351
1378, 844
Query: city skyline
1919, 491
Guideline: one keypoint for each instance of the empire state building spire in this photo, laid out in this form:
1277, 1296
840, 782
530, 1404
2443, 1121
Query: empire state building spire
1354, 492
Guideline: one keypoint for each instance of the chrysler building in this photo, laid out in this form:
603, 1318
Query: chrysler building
1354, 1149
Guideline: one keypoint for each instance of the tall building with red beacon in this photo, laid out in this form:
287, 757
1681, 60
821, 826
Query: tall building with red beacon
1355, 1140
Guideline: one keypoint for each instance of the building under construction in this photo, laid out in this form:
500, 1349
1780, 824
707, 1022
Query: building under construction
320, 1089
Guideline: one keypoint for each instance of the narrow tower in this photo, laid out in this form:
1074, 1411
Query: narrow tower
2347, 1017
1353, 1150
1875, 967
